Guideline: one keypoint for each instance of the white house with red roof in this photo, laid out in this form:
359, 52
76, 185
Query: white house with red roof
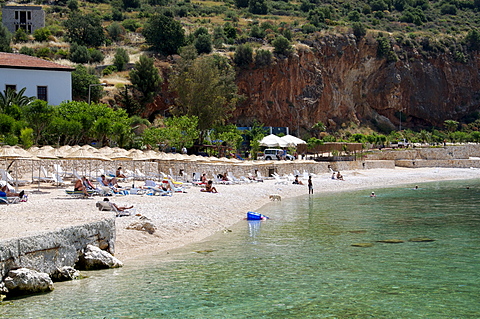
48, 81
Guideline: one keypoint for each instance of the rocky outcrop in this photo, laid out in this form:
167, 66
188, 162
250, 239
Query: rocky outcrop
50, 251
65, 273
94, 258
25, 281
143, 224
339, 79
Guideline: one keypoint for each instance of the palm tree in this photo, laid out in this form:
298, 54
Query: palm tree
10, 97
451, 125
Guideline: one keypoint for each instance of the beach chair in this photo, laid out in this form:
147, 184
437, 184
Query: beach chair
79, 194
10, 200
278, 180
59, 171
108, 206
44, 176
154, 189
9, 179
176, 188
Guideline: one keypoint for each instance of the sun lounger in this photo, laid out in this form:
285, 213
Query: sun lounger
79, 194
10, 200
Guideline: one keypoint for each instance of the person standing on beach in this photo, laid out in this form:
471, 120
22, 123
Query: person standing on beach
310, 185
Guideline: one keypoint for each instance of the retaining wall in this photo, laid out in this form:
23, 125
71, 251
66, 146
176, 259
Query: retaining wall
48, 251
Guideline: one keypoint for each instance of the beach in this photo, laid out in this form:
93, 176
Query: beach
192, 216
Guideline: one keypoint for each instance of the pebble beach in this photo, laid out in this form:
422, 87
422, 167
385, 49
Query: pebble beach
192, 216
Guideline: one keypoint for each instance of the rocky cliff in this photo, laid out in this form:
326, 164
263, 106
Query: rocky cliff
339, 79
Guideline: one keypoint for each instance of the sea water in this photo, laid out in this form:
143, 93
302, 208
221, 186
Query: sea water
301, 264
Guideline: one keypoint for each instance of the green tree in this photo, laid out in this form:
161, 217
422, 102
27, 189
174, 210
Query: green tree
472, 39
81, 81
282, 46
164, 34
257, 7
451, 125
359, 29
38, 115
5, 39
121, 59
26, 137
42, 34
116, 31
263, 58
227, 135
146, 79
20, 36
206, 89
10, 97
243, 55
318, 127
254, 136
203, 43
84, 30
79, 54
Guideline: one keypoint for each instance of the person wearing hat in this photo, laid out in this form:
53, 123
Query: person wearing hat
373, 194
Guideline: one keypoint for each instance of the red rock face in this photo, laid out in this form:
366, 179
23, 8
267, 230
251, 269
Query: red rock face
338, 79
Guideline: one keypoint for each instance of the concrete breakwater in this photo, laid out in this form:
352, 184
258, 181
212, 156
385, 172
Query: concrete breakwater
48, 251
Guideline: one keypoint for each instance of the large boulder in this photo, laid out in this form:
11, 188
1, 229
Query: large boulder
95, 258
143, 224
24, 281
65, 273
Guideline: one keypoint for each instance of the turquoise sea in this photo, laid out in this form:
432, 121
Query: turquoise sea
301, 264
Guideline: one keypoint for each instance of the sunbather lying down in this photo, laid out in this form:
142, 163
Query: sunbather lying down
209, 188
5, 192
119, 208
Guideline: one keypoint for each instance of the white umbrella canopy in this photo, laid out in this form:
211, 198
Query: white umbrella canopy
290, 139
273, 141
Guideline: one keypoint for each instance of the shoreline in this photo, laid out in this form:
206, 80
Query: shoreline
193, 216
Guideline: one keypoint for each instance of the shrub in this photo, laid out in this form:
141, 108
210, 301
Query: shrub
282, 46
243, 55
109, 70
96, 56
263, 58
27, 51
359, 29
20, 36
42, 34
203, 43
43, 52
121, 59
116, 31
79, 54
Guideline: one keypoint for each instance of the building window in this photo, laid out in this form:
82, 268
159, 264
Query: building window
42, 93
16, 15
29, 15
12, 87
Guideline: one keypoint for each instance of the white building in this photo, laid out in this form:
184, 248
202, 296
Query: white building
43, 79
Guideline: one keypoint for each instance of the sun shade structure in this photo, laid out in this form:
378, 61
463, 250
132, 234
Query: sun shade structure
273, 141
293, 140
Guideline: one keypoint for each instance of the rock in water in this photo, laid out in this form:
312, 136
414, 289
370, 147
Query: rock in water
421, 239
362, 245
65, 273
24, 281
95, 258
390, 241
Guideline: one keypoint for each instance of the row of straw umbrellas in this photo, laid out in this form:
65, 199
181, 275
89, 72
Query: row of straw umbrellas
87, 154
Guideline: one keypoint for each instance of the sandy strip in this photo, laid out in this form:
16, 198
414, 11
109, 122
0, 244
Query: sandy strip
189, 217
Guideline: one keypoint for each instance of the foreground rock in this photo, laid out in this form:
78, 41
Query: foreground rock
65, 273
144, 224
94, 258
25, 281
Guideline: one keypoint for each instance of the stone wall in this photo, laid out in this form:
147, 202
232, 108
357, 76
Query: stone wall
440, 153
459, 163
51, 250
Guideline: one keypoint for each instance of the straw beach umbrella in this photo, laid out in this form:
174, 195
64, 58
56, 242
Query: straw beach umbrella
13, 153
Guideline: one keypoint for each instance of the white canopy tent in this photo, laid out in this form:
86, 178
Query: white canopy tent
293, 140
273, 141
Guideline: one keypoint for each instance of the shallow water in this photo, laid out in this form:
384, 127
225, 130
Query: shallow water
300, 264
